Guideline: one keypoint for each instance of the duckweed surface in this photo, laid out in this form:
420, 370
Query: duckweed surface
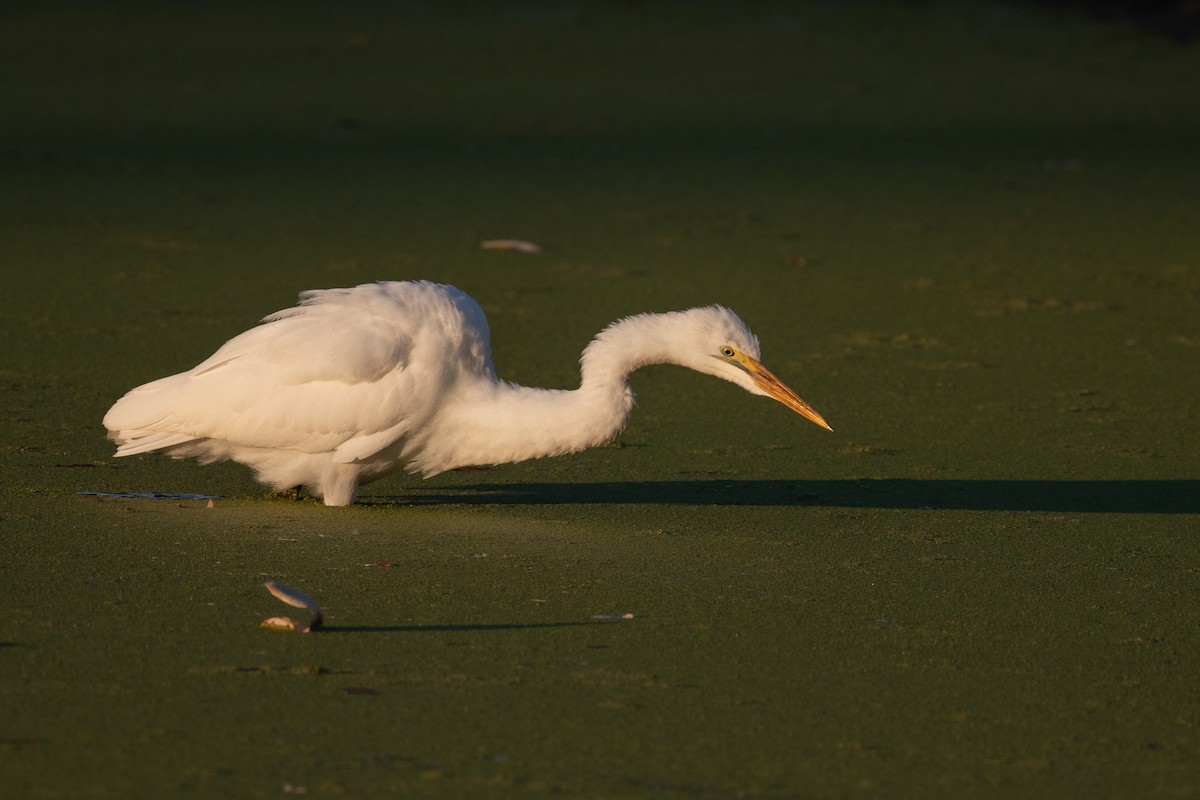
966, 232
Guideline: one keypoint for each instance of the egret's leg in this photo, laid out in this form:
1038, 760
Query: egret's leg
339, 485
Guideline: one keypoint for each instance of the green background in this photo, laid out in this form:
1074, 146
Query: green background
966, 232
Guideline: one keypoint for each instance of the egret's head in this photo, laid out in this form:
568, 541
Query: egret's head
711, 339
719, 343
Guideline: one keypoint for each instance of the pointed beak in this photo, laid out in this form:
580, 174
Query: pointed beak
775, 388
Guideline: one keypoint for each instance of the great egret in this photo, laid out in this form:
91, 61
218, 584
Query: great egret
352, 384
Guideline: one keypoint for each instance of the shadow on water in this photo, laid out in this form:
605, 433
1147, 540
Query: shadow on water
1079, 496
464, 628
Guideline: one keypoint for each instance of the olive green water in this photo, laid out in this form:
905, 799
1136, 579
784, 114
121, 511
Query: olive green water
967, 233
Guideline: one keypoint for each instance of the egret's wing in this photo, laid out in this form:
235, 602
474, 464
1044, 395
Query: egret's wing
270, 397
343, 373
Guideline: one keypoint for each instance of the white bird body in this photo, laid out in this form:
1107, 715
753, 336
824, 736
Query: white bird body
353, 384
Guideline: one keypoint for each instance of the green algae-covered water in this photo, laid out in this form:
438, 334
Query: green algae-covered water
967, 233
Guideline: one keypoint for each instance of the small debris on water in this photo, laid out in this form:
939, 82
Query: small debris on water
296, 598
510, 244
612, 616
279, 624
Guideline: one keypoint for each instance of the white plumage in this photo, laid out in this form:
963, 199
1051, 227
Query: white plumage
352, 384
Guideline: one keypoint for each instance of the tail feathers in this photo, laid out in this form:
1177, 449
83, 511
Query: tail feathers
131, 443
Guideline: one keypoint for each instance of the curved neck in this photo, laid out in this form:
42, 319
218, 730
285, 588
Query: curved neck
500, 422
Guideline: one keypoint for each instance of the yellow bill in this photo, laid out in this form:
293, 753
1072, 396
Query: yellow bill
775, 388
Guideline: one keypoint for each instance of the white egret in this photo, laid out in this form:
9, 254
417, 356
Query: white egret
352, 384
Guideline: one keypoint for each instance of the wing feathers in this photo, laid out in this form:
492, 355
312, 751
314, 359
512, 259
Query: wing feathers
134, 442
334, 374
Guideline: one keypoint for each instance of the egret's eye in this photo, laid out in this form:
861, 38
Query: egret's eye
727, 351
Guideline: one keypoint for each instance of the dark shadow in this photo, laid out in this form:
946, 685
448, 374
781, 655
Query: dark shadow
1177, 19
501, 626
1076, 496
